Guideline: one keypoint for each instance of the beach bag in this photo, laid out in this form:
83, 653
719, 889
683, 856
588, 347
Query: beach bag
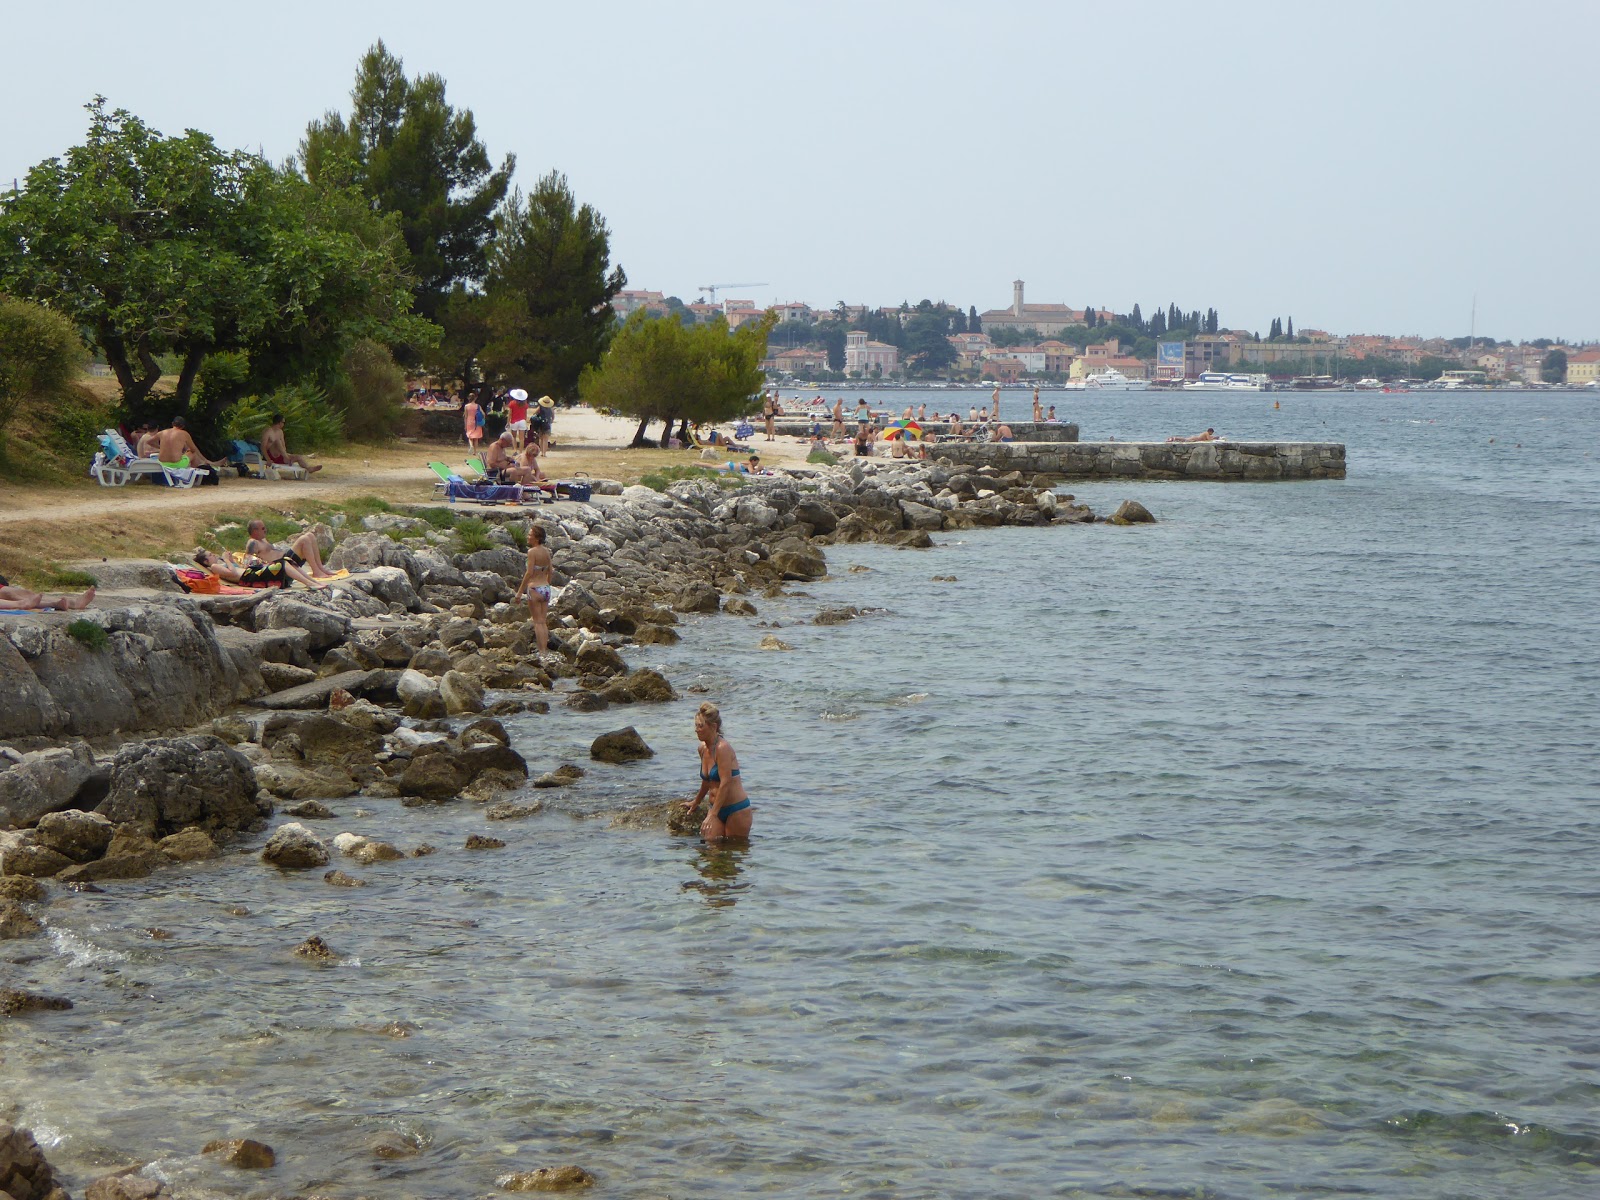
580, 488
477, 418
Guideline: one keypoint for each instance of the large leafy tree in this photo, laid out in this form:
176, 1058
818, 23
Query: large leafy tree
927, 343
661, 369
414, 155
162, 246
550, 286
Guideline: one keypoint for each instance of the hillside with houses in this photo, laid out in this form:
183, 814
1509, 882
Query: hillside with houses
1059, 343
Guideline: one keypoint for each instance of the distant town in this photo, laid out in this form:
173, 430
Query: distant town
1057, 344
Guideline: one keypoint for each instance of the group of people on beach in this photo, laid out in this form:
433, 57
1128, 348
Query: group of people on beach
527, 422
174, 446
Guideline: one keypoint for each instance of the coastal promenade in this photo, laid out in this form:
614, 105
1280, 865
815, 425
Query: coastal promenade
1245, 461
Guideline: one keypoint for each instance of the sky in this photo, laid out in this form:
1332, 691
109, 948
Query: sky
1359, 167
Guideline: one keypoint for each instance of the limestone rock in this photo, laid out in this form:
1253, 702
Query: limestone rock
511, 812
281, 676
773, 642
597, 658
483, 732
836, 616
656, 635
697, 597
337, 878
461, 693
459, 632
294, 847
15, 921
373, 852
21, 855
25, 1173
365, 715
1131, 512
188, 845
797, 561
419, 695
43, 782
21, 887
477, 841
546, 1179
127, 1184
81, 836
620, 746
316, 693
319, 738
738, 606
120, 866
433, 777
564, 774
309, 810
644, 686
587, 701
171, 783
816, 514
244, 1153
327, 627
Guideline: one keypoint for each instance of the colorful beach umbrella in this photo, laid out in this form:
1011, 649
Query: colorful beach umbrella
903, 428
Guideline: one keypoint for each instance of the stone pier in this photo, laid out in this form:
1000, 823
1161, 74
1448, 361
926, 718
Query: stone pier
1153, 460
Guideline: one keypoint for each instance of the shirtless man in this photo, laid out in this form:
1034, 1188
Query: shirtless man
497, 463
1038, 411
995, 416
1210, 435
837, 433
176, 448
536, 586
15, 598
302, 552
276, 452
146, 441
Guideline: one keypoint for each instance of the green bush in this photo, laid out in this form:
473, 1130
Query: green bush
309, 421
369, 392
40, 354
825, 457
439, 518
519, 535
89, 633
472, 535
658, 480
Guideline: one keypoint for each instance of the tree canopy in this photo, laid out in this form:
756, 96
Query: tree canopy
661, 369
161, 245
414, 155
550, 285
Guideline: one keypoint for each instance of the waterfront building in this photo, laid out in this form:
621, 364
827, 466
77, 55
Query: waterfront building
1583, 367
970, 347
861, 354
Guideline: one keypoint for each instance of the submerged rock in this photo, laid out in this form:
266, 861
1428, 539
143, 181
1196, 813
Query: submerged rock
188, 845
564, 774
546, 1179
14, 1002
293, 847
337, 878
313, 948
127, 1184
477, 841
620, 746
244, 1153
21, 887
15, 921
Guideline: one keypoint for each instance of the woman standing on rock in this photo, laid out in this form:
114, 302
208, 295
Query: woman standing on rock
536, 586
731, 814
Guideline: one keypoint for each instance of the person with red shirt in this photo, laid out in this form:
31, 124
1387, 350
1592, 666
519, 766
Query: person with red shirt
517, 416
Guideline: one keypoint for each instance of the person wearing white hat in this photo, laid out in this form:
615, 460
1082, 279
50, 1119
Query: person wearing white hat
516, 416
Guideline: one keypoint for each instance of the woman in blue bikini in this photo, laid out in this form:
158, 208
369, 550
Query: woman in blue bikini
731, 814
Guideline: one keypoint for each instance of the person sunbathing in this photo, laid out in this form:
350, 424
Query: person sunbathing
303, 552
274, 574
276, 452
527, 471
1210, 435
17, 599
497, 460
175, 448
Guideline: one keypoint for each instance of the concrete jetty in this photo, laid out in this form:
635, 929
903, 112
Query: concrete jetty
1154, 460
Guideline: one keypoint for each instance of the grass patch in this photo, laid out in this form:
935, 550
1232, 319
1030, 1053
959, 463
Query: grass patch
659, 480
363, 506
519, 535
76, 580
440, 518
89, 633
825, 457
472, 535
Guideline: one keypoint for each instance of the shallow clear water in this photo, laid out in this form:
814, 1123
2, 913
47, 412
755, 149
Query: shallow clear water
1248, 854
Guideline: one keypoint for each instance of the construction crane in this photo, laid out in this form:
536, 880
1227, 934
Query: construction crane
711, 288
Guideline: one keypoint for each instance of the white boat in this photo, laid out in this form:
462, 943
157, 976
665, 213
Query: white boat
1113, 380
1221, 381
1368, 384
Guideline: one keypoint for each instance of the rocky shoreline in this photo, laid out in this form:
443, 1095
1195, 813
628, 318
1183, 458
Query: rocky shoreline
390, 687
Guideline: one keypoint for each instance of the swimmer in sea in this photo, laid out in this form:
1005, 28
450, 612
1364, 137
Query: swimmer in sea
731, 814
536, 586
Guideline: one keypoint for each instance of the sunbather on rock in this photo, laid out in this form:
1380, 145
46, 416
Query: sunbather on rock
276, 452
13, 599
302, 552
274, 574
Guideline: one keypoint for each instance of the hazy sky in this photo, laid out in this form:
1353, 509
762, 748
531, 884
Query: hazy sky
1361, 167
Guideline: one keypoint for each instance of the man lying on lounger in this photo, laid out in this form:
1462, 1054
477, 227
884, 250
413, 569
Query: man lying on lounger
302, 552
175, 448
273, 574
276, 452
14, 599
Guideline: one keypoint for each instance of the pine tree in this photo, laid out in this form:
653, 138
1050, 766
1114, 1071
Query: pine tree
1136, 319
1290, 334
974, 325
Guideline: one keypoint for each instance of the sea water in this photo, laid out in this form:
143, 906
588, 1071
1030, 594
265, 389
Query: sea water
1247, 854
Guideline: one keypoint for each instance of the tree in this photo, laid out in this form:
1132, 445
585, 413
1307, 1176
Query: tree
415, 156
1554, 367
39, 353
160, 245
660, 369
927, 345
550, 286
974, 324
1135, 319
1289, 333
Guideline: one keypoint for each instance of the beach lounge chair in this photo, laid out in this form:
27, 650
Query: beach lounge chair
446, 477
115, 464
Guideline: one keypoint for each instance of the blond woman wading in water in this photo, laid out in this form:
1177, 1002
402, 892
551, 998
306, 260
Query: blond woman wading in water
731, 814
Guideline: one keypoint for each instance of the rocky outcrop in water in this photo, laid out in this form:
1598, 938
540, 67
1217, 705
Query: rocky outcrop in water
25, 1174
